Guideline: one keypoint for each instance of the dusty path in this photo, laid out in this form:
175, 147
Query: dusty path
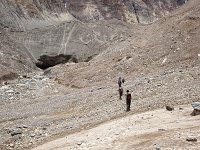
159, 128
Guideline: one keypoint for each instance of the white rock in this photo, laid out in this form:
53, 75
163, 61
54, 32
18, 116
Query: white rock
165, 59
9, 91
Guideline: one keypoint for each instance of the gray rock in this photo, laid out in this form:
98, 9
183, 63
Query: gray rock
10, 91
15, 132
32, 135
24, 126
11, 145
196, 105
79, 143
161, 130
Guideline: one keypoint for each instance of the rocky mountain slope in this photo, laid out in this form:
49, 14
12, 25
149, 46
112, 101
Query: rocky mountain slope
23, 14
76, 30
159, 61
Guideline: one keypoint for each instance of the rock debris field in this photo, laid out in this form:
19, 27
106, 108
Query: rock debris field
170, 130
77, 105
36, 108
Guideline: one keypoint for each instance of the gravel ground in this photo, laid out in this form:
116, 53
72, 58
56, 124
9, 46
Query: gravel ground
160, 65
36, 109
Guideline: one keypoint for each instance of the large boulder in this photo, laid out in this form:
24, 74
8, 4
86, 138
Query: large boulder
196, 106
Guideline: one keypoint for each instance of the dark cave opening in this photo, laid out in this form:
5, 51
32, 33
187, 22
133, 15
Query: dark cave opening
46, 61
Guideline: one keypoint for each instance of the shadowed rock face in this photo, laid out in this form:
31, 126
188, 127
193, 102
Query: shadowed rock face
133, 11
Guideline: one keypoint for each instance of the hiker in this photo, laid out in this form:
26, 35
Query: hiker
128, 100
120, 82
120, 92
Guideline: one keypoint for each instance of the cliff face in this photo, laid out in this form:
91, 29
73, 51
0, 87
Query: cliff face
29, 14
134, 11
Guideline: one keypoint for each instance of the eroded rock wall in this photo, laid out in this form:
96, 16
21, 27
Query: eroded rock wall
29, 14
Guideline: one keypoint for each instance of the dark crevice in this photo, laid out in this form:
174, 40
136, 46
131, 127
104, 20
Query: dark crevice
46, 61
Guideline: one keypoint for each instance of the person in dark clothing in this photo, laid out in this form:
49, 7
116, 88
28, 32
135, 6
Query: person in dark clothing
120, 92
120, 82
128, 100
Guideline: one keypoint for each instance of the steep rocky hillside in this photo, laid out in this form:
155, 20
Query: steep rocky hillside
58, 31
159, 61
40, 29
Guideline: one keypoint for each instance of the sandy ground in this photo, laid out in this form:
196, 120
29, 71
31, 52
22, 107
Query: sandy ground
159, 128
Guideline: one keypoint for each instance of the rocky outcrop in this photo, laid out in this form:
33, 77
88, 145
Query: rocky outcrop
196, 106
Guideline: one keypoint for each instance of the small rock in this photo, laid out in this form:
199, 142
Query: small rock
10, 91
11, 98
161, 130
44, 128
15, 132
17, 92
169, 108
11, 145
24, 126
159, 84
32, 135
79, 143
191, 139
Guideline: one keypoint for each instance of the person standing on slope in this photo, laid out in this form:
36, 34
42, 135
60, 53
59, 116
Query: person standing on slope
120, 92
128, 100
120, 81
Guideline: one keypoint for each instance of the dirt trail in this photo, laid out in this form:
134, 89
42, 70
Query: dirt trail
158, 128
